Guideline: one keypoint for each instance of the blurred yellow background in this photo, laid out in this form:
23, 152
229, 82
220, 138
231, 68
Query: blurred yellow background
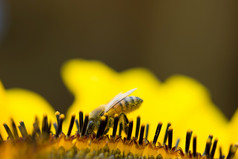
194, 38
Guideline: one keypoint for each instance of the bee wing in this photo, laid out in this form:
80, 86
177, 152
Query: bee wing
117, 99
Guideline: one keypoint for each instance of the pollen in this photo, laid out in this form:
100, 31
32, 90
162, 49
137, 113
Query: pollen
49, 143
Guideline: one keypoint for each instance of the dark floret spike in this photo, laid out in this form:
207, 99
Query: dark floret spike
120, 129
61, 119
55, 127
36, 128
210, 137
214, 146
85, 124
194, 146
221, 156
207, 148
129, 130
44, 124
166, 133
229, 153
77, 124
14, 128
22, 129
49, 127
71, 124
157, 132
146, 132
141, 134
137, 127
177, 143
102, 127
45, 127
81, 121
232, 151
57, 114
115, 125
188, 140
170, 137
10, 135
59, 128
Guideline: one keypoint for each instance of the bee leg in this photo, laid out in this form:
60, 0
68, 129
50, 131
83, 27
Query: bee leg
106, 130
125, 122
109, 125
110, 122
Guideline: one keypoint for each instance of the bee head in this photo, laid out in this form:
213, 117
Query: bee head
139, 100
90, 127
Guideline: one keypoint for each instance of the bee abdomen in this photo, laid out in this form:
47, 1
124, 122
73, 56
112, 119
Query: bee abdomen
126, 105
130, 103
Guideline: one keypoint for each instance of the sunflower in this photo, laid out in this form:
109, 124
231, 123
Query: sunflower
174, 114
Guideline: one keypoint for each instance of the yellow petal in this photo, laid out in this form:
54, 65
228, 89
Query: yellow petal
22, 105
88, 82
233, 127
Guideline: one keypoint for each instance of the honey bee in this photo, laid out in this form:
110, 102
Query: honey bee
120, 104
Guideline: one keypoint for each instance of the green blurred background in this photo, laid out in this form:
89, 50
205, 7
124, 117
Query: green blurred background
195, 38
